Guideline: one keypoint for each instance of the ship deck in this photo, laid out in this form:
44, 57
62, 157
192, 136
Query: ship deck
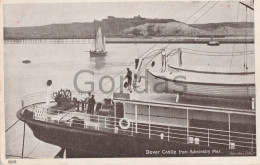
112, 124
239, 106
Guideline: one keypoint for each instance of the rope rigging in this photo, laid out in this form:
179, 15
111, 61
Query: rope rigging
186, 28
33, 149
196, 19
234, 44
158, 43
246, 44
206, 12
153, 56
171, 53
12, 125
204, 53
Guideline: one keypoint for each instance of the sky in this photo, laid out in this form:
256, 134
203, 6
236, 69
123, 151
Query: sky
37, 14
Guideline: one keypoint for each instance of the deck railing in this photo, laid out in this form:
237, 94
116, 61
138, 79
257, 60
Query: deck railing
171, 133
38, 97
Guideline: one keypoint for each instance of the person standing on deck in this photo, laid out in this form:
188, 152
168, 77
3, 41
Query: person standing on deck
129, 78
164, 60
91, 105
87, 98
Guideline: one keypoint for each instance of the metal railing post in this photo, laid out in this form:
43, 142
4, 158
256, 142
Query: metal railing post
149, 121
229, 131
187, 125
168, 133
135, 118
105, 122
115, 114
98, 122
132, 128
253, 103
252, 144
208, 136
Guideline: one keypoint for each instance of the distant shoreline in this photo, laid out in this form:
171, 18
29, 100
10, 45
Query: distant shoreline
187, 40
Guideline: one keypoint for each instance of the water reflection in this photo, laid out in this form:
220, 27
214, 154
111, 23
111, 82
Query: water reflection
98, 62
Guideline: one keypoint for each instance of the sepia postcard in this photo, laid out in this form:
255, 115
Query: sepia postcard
129, 82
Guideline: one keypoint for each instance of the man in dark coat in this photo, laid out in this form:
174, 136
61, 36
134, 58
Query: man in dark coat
91, 105
129, 78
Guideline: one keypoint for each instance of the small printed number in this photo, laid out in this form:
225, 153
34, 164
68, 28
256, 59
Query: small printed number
11, 161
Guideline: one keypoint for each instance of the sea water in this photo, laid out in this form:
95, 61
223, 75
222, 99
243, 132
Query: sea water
61, 62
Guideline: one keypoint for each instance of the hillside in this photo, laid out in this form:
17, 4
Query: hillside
212, 26
111, 27
127, 27
226, 30
163, 29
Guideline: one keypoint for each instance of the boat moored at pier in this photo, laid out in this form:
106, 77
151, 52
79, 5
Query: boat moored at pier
140, 124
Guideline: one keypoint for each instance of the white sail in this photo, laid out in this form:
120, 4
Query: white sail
99, 41
104, 43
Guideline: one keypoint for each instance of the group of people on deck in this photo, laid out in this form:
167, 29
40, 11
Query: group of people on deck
88, 103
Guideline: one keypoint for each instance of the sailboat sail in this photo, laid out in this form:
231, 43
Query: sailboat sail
104, 41
99, 41
100, 49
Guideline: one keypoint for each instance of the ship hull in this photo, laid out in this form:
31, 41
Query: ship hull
96, 54
162, 85
214, 44
180, 69
92, 143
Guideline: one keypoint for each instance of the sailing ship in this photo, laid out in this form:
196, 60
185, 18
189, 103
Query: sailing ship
213, 43
134, 125
139, 125
26, 61
100, 49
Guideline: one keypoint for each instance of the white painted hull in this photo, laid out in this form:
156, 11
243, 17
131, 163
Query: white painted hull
205, 70
159, 84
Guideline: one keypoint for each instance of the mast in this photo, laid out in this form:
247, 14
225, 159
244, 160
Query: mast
95, 35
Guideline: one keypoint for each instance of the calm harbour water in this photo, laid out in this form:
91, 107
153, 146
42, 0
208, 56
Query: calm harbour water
60, 63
